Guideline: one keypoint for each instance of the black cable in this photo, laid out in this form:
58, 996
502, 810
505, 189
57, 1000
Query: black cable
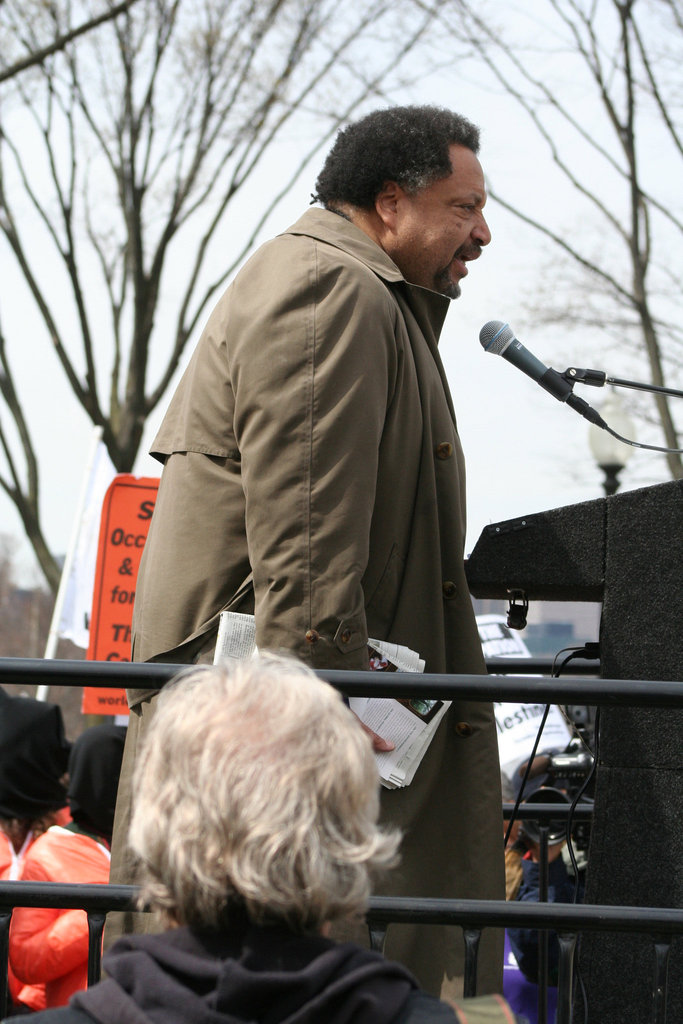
529, 763
586, 651
583, 652
578, 652
638, 444
575, 653
590, 651
589, 777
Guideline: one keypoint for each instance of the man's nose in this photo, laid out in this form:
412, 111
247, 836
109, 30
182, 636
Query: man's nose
481, 232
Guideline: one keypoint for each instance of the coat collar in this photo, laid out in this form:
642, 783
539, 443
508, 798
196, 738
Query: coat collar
334, 230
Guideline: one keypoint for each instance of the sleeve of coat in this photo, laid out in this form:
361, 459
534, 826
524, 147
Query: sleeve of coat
312, 372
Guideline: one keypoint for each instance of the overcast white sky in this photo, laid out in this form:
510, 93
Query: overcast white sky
525, 451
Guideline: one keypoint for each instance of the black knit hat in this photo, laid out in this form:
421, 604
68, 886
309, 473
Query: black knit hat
34, 754
94, 769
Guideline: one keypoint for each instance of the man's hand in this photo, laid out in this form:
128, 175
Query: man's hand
380, 745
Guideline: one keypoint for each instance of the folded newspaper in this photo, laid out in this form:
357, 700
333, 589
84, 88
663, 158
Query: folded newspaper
410, 724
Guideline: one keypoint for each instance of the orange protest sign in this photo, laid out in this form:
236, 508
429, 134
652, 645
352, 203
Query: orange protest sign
126, 513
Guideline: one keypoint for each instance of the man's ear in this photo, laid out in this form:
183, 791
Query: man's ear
387, 203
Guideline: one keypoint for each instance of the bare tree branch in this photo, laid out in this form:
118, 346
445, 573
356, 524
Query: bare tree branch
62, 41
618, 57
128, 151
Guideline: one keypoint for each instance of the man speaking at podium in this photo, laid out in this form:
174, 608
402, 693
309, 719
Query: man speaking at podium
313, 475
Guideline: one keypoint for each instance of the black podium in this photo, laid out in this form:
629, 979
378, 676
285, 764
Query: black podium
626, 551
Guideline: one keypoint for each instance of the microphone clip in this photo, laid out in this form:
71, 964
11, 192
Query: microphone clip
517, 613
576, 375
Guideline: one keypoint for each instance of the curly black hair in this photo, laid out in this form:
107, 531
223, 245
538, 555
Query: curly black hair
408, 145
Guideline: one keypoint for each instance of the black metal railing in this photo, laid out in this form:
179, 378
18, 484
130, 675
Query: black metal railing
473, 916
516, 684
574, 689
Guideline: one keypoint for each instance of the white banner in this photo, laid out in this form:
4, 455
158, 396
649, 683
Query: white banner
78, 575
517, 724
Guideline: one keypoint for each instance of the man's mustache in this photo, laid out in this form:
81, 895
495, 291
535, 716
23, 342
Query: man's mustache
471, 251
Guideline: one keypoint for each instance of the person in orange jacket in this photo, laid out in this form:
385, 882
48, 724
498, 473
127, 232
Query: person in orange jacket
34, 754
48, 946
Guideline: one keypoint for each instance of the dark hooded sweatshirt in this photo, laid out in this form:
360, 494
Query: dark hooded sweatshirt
248, 974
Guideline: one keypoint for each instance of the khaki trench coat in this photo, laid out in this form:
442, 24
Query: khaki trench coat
312, 442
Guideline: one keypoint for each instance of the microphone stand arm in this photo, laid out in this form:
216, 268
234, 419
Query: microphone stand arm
598, 378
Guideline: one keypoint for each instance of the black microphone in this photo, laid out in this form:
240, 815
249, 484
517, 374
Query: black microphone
498, 337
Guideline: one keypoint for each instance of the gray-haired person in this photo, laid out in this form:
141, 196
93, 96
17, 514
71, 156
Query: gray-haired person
255, 825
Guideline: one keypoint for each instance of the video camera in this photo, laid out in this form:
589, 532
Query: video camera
566, 774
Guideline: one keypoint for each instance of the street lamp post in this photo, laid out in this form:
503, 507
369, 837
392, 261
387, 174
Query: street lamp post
610, 454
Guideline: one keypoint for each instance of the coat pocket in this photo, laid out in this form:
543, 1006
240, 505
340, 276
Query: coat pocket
243, 598
380, 606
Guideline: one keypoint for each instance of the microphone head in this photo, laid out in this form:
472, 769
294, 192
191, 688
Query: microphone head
495, 336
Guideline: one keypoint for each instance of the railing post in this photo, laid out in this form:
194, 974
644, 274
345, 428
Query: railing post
378, 936
543, 831
95, 929
565, 979
472, 937
5, 918
659, 986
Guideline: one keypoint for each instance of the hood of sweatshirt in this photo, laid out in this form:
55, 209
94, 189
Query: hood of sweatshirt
247, 973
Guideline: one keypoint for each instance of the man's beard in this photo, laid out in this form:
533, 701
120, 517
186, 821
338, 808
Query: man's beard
444, 283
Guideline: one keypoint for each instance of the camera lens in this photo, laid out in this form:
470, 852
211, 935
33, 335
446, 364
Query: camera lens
557, 828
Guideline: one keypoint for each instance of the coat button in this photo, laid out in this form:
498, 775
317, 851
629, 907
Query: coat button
444, 450
312, 636
463, 729
346, 636
448, 589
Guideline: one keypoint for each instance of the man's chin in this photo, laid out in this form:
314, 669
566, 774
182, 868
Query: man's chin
445, 284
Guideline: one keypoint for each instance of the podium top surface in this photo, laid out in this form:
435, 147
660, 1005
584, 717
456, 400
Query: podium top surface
563, 554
